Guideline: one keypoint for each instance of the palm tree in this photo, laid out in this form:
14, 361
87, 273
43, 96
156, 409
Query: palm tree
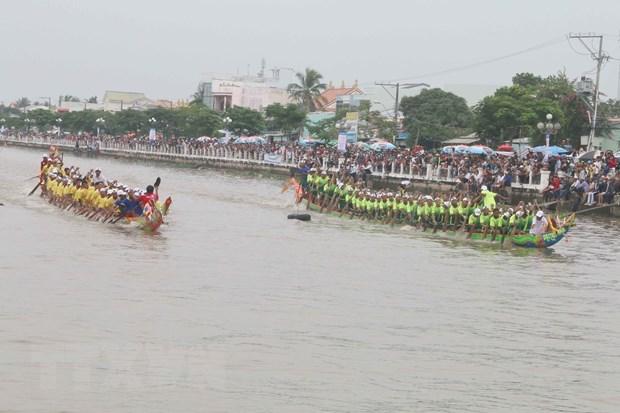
308, 89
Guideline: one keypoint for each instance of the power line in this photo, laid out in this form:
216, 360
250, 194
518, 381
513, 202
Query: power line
600, 58
539, 46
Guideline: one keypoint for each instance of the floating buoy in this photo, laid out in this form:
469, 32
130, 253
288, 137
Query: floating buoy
300, 217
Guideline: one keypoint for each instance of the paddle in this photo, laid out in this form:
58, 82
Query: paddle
35, 188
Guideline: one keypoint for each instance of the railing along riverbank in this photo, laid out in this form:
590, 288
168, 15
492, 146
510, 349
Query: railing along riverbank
282, 160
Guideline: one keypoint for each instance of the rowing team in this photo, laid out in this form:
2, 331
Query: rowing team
95, 197
479, 214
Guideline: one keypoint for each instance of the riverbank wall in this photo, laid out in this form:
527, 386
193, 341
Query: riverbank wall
428, 180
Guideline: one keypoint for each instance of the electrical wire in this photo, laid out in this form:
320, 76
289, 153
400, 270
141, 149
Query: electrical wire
483, 62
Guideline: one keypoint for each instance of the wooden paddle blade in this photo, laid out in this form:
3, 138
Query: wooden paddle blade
34, 189
157, 182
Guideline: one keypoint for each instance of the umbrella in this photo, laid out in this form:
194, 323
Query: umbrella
251, 140
552, 150
488, 150
309, 142
589, 156
382, 146
476, 150
504, 148
362, 146
203, 139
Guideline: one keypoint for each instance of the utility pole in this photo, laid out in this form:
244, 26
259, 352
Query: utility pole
600, 58
396, 98
618, 93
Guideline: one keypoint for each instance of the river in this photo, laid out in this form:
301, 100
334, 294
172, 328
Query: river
234, 308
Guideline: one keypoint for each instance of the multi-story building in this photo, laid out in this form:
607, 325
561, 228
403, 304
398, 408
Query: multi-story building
248, 92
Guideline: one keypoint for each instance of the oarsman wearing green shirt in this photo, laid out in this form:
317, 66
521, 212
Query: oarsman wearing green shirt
473, 222
488, 198
425, 211
497, 223
453, 215
485, 220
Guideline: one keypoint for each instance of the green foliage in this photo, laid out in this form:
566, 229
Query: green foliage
436, 115
324, 130
245, 121
287, 118
192, 121
308, 89
22, 102
377, 125
42, 118
199, 96
515, 110
610, 109
196, 120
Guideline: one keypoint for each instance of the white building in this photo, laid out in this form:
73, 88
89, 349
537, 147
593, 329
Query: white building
253, 93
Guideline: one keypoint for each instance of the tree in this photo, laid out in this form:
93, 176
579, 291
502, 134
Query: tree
42, 118
245, 121
199, 96
308, 89
22, 102
610, 109
378, 126
287, 118
324, 130
70, 98
195, 121
92, 99
516, 110
526, 80
128, 121
436, 115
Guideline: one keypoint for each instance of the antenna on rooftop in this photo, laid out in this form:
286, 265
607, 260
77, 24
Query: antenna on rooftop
261, 74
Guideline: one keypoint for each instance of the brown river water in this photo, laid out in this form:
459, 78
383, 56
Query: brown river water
233, 308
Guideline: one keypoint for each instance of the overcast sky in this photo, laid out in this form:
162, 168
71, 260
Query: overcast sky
164, 47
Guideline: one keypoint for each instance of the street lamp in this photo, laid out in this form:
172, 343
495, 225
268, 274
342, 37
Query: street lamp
227, 121
59, 123
152, 131
548, 128
100, 124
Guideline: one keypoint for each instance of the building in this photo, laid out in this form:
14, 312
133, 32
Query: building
114, 101
70, 106
610, 141
330, 98
248, 92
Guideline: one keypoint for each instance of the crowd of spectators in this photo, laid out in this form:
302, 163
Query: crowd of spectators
593, 180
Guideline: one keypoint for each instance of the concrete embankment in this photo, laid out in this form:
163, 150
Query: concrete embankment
252, 165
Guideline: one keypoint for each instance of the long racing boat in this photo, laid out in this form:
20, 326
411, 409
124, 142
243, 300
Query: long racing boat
545, 240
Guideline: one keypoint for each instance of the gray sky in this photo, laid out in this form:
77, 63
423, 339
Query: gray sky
164, 47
